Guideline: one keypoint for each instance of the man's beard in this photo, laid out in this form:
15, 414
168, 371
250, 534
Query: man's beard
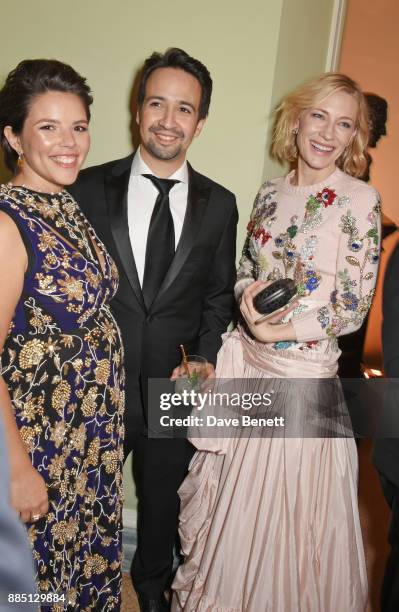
161, 153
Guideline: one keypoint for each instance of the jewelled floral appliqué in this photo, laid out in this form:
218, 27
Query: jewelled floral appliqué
350, 302
253, 262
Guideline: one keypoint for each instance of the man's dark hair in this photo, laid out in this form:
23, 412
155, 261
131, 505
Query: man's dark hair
177, 58
378, 114
29, 79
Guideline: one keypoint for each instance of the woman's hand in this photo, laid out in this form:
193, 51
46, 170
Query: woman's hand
267, 331
28, 493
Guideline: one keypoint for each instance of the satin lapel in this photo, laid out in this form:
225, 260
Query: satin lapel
116, 188
198, 197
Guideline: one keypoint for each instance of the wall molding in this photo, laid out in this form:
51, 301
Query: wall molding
336, 31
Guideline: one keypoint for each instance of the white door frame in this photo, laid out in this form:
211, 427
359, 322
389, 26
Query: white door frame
336, 31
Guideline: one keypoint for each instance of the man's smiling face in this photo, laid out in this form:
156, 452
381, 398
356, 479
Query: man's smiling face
168, 116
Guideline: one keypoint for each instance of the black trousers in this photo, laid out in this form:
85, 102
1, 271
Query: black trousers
159, 468
390, 585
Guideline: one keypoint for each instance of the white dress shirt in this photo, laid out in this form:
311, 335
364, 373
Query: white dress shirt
141, 198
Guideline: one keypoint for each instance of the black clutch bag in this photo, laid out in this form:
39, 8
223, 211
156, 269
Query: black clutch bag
275, 298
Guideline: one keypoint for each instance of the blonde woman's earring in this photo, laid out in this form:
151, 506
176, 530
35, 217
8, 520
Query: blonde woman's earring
295, 131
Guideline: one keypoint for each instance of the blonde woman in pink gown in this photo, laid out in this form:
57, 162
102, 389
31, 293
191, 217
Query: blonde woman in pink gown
272, 524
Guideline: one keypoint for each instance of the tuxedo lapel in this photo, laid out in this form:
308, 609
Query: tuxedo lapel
197, 201
116, 189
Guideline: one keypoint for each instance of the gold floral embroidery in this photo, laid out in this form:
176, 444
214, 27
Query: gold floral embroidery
40, 321
93, 452
32, 407
16, 376
89, 402
111, 461
61, 395
92, 278
102, 372
28, 435
81, 483
57, 466
65, 530
109, 331
72, 596
48, 209
46, 285
58, 433
72, 287
115, 394
51, 259
95, 564
47, 241
78, 364
31, 353
78, 438
70, 208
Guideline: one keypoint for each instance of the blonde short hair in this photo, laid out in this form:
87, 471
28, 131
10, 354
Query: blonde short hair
284, 148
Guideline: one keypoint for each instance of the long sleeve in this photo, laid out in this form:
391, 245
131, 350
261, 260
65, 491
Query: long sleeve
356, 272
250, 264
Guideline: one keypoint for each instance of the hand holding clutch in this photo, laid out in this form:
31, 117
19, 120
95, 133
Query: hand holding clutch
267, 328
275, 298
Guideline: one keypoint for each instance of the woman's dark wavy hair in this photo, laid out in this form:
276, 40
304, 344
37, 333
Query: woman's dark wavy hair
177, 58
29, 79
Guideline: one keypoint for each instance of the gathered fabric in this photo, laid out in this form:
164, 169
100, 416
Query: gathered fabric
271, 524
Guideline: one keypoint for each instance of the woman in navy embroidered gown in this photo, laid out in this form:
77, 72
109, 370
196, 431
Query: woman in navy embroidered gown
61, 383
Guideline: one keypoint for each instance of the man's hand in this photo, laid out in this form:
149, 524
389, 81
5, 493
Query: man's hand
180, 370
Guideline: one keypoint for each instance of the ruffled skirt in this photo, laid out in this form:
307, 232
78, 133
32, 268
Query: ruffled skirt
271, 524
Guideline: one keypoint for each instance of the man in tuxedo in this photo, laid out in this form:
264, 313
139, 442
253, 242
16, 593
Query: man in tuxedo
386, 447
172, 233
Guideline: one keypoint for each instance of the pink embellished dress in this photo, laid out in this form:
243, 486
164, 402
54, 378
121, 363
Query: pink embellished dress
272, 524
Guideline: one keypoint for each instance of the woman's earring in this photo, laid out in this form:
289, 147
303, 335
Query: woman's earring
295, 131
20, 160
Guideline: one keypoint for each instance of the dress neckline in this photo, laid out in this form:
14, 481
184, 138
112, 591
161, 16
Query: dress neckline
34, 192
309, 189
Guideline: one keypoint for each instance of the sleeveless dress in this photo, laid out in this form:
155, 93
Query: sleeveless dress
271, 523
63, 365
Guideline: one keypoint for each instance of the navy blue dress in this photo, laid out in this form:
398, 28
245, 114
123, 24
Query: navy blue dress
63, 365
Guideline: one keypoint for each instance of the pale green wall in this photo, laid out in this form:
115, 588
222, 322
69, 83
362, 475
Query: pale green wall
256, 50
107, 41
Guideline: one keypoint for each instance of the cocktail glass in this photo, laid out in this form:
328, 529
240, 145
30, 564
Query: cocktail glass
195, 377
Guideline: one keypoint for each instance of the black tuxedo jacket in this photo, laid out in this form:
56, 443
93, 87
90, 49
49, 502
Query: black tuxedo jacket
386, 449
194, 304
